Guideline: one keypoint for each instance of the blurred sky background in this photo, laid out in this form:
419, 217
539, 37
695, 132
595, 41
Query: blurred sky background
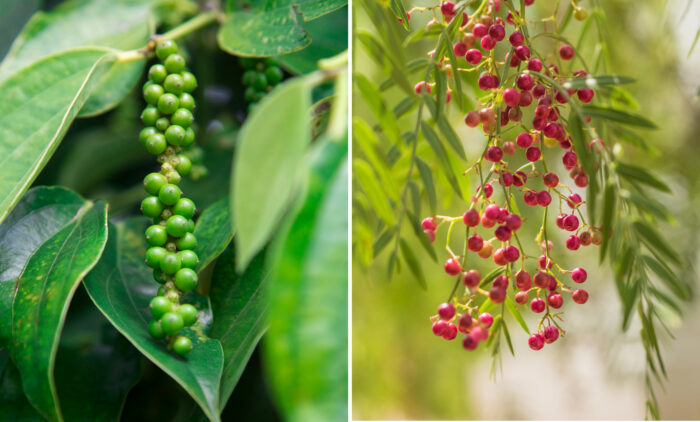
401, 371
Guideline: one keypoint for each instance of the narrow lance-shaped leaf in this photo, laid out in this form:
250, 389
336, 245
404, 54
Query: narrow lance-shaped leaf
593, 82
121, 285
412, 263
268, 165
439, 150
45, 289
38, 105
618, 116
363, 173
306, 347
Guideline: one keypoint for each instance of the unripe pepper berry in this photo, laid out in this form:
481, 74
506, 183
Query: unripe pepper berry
172, 323
156, 235
188, 314
186, 279
151, 206
182, 345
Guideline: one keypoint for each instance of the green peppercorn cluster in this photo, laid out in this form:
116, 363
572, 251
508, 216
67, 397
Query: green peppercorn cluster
259, 78
168, 134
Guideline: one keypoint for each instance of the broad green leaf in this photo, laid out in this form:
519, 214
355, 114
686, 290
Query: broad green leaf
366, 180
94, 361
593, 82
270, 27
44, 292
639, 174
213, 232
118, 24
654, 241
268, 165
240, 309
516, 314
14, 405
413, 264
306, 347
618, 116
39, 215
329, 37
38, 105
121, 285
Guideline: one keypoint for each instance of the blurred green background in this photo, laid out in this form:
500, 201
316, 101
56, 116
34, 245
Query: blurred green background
401, 371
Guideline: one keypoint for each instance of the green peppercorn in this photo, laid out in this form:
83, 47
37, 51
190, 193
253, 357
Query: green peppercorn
168, 103
149, 115
151, 206
173, 177
188, 314
175, 63
190, 82
182, 345
188, 258
175, 135
260, 81
186, 279
155, 256
189, 138
184, 165
249, 77
159, 306
165, 48
187, 241
153, 182
184, 207
274, 75
152, 93
190, 225
172, 323
170, 263
187, 101
156, 143
157, 73
155, 329
156, 235
182, 117
145, 133
174, 84
176, 226
159, 277
249, 94
162, 124
169, 194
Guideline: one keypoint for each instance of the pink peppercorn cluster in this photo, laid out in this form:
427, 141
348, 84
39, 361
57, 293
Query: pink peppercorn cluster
535, 112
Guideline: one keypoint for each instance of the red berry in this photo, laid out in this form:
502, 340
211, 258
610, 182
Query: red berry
473, 56
488, 43
550, 180
439, 327
471, 218
475, 243
585, 95
486, 319
452, 267
471, 278
569, 159
521, 298
448, 9
429, 223
574, 199
472, 119
430, 234
480, 333
519, 178
516, 38
469, 342
566, 52
536, 341
541, 280
511, 253
465, 323
446, 311
570, 222
501, 282
460, 49
485, 252
497, 295
530, 198
580, 296
503, 233
487, 222
560, 221
533, 154
506, 179
543, 198
494, 154
522, 52
480, 30
573, 242
488, 190
450, 332
509, 147
492, 212
499, 257
524, 140
502, 214
513, 222
581, 180
421, 87
555, 300
497, 32
525, 99
539, 91
551, 334
525, 81
511, 97
579, 275
535, 65
537, 305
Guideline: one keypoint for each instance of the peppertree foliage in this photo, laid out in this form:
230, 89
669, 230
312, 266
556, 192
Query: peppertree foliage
253, 131
408, 156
